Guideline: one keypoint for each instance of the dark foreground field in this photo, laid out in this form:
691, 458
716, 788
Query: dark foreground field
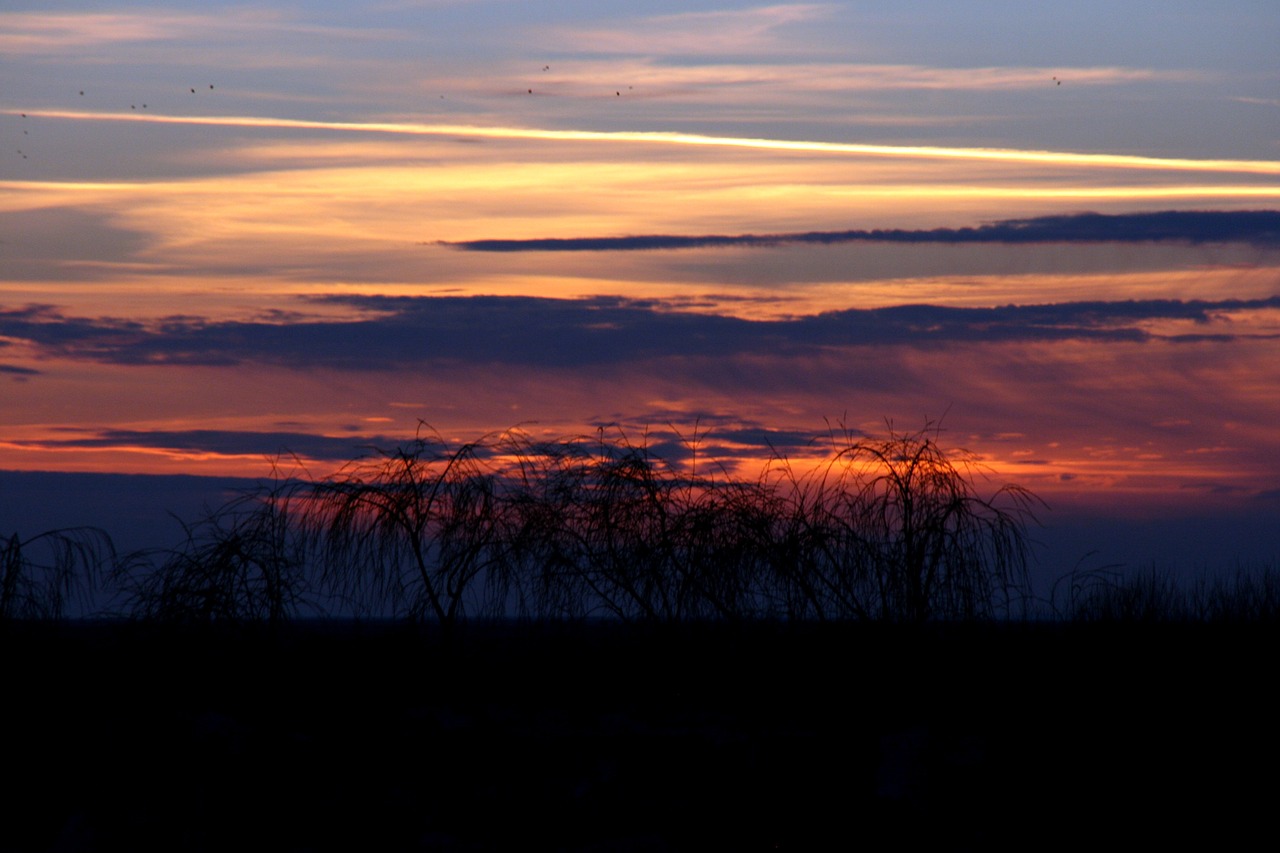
599, 737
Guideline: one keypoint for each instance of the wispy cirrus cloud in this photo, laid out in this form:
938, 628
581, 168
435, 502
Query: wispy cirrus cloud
700, 33
1266, 102
24, 33
993, 78
934, 152
665, 88
33, 32
649, 77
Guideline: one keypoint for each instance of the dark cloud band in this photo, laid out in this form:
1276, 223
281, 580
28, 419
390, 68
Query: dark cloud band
1260, 227
402, 332
273, 445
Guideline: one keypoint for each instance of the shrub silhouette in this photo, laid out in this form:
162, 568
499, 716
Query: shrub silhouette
632, 536
888, 529
892, 529
416, 532
52, 573
242, 562
543, 525
885, 529
930, 545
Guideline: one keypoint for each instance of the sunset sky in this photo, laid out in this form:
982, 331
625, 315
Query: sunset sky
232, 233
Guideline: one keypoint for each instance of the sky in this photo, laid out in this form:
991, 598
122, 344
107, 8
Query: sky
235, 234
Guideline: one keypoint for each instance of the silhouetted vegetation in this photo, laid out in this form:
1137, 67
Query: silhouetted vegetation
1153, 596
893, 529
54, 572
241, 562
416, 532
886, 529
684, 655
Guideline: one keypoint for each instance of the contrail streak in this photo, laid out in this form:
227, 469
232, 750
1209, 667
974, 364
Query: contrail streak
1006, 155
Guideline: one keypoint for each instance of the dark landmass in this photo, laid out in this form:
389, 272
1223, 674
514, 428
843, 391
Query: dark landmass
599, 736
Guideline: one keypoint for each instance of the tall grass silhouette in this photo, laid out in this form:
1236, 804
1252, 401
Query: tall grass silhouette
1154, 596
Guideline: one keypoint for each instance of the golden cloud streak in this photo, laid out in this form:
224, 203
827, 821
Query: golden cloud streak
1007, 155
